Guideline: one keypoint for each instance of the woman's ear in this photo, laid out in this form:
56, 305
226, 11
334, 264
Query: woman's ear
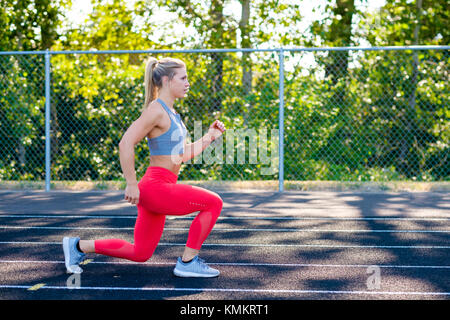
165, 81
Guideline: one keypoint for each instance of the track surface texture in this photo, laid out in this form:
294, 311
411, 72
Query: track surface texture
267, 245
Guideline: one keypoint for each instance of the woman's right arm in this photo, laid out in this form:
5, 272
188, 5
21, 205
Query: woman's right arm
135, 133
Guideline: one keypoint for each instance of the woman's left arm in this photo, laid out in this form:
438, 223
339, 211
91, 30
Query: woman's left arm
192, 150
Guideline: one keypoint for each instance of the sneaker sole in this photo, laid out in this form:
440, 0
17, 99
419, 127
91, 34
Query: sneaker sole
186, 274
66, 250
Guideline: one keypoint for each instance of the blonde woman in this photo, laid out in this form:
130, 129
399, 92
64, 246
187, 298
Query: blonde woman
157, 194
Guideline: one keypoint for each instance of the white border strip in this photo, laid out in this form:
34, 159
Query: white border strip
228, 218
254, 245
242, 264
231, 290
233, 229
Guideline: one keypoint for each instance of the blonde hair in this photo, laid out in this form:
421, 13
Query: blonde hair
154, 72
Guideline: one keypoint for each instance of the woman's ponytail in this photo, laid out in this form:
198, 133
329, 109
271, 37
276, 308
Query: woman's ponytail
150, 88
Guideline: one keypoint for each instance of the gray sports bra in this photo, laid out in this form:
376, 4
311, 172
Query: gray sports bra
170, 142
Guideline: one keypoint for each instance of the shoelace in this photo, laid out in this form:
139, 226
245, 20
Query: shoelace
81, 257
202, 264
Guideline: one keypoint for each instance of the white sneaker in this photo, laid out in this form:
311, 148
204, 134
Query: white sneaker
72, 257
196, 268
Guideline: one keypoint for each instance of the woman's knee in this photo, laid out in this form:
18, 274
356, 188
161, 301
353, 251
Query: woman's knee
217, 202
142, 256
143, 252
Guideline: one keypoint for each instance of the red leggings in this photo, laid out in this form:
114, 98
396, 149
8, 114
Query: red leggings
160, 195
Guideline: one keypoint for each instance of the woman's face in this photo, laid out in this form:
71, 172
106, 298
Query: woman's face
179, 85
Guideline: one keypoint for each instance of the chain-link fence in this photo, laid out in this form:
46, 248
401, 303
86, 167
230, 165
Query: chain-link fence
344, 114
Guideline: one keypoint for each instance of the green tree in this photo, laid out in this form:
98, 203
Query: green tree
408, 88
339, 108
26, 25
30, 24
383, 116
215, 31
97, 96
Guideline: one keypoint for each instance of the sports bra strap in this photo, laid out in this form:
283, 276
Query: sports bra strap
165, 106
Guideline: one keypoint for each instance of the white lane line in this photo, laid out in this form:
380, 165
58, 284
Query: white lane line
230, 217
242, 264
255, 245
57, 216
233, 229
232, 290
70, 228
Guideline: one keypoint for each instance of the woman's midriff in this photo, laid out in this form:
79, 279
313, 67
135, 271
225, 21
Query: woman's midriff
166, 162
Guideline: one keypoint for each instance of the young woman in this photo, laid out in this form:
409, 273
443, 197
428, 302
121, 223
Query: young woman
157, 194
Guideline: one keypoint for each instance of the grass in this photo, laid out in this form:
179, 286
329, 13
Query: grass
267, 185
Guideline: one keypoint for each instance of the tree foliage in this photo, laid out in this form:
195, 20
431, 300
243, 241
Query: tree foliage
349, 115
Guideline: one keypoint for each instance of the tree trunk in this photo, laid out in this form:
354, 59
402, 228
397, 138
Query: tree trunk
247, 75
410, 114
340, 35
216, 41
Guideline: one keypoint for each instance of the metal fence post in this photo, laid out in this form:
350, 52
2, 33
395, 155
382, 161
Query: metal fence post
281, 124
47, 121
